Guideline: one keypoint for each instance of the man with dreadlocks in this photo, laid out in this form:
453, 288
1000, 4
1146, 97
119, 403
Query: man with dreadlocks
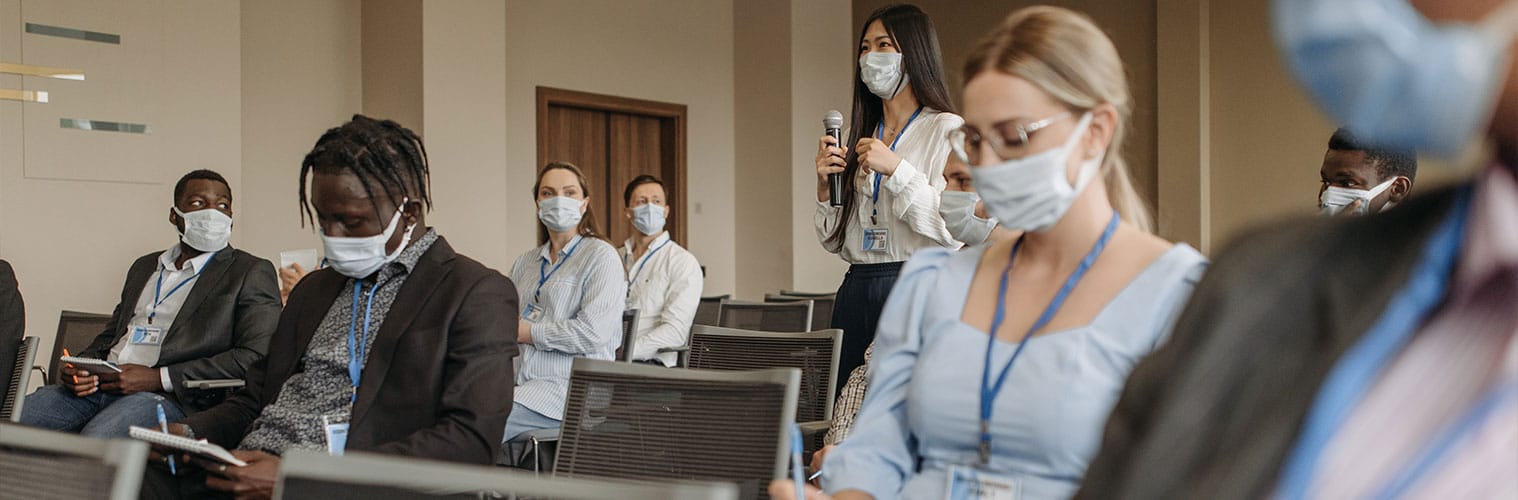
400, 346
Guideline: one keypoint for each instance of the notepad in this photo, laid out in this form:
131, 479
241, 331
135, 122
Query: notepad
90, 364
305, 257
198, 447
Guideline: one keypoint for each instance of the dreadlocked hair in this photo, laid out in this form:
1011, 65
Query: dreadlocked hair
380, 153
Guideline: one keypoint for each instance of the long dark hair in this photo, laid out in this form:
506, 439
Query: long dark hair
922, 62
588, 221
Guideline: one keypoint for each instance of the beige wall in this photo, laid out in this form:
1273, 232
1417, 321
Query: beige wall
762, 95
671, 51
823, 59
70, 240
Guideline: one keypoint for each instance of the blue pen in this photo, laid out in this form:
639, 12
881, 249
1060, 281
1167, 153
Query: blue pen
796, 472
163, 422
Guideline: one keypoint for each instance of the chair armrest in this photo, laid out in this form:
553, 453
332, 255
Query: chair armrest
809, 429
219, 383
683, 348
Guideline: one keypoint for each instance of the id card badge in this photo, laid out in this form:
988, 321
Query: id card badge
336, 429
968, 483
875, 239
147, 335
532, 313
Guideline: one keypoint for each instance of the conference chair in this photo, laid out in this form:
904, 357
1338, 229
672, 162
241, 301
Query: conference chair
21, 376
46, 465
75, 331
814, 353
709, 311
767, 316
629, 335
313, 474
822, 307
631, 421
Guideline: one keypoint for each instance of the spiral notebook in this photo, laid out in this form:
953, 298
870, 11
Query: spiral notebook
199, 447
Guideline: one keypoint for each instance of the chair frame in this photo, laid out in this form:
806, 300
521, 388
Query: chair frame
446, 478
836, 334
722, 313
807, 295
629, 334
127, 455
788, 377
21, 379
63, 319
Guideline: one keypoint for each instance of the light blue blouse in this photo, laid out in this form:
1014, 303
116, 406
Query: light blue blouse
924, 397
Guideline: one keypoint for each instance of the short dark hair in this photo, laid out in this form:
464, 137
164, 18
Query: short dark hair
1388, 162
381, 152
640, 180
209, 175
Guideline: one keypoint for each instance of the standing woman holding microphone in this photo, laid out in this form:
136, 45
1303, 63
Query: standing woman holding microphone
892, 169
996, 367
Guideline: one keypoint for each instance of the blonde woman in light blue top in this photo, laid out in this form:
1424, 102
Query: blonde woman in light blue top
1070, 306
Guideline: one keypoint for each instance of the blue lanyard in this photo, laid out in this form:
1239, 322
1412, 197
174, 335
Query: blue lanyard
1359, 367
153, 311
356, 348
544, 273
879, 134
988, 391
644, 262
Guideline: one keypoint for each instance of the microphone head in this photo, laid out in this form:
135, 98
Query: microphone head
833, 119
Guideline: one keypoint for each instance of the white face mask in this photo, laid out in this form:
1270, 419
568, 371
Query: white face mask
359, 257
560, 213
206, 229
1334, 199
882, 73
648, 218
958, 211
1033, 192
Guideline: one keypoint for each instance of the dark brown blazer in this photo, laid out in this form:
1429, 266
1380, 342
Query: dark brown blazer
12, 323
1216, 411
439, 382
220, 331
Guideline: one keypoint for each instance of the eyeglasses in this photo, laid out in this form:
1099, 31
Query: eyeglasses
1010, 141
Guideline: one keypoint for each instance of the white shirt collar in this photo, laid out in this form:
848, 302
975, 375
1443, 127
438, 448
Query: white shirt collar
195, 264
627, 246
563, 252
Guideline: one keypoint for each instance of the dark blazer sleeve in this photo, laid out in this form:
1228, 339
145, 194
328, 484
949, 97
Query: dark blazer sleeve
254, 318
122, 315
225, 424
12, 316
478, 380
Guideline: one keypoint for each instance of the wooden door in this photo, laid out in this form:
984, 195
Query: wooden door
614, 139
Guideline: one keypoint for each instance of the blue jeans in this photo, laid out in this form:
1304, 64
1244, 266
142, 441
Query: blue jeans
97, 415
523, 419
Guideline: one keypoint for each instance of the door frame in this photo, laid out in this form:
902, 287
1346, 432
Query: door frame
675, 185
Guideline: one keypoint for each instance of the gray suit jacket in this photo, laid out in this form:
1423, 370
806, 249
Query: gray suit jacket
1216, 411
222, 329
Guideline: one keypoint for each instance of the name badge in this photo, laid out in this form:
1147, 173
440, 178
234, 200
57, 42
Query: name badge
875, 239
532, 313
966, 483
146, 335
336, 428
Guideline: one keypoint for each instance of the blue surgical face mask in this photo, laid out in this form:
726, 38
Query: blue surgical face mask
648, 218
1392, 76
560, 213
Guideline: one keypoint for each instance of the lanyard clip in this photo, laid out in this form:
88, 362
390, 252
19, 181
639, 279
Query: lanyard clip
985, 442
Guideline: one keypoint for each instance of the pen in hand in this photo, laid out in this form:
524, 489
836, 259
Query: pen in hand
66, 354
164, 423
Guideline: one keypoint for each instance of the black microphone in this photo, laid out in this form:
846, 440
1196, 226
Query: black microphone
832, 122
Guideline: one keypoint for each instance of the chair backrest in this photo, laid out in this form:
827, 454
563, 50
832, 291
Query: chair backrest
768, 317
370, 476
44, 465
75, 331
633, 421
822, 307
814, 353
709, 311
809, 295
21, 377
629, 335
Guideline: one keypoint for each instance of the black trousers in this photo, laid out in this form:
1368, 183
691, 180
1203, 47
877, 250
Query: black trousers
857, 311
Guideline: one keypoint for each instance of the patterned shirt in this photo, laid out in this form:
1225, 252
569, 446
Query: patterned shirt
322, 388
582, 294
849, 400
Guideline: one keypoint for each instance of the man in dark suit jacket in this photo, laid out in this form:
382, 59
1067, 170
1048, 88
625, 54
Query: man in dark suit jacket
401, 346
200, 310
1317, 360
12, 321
